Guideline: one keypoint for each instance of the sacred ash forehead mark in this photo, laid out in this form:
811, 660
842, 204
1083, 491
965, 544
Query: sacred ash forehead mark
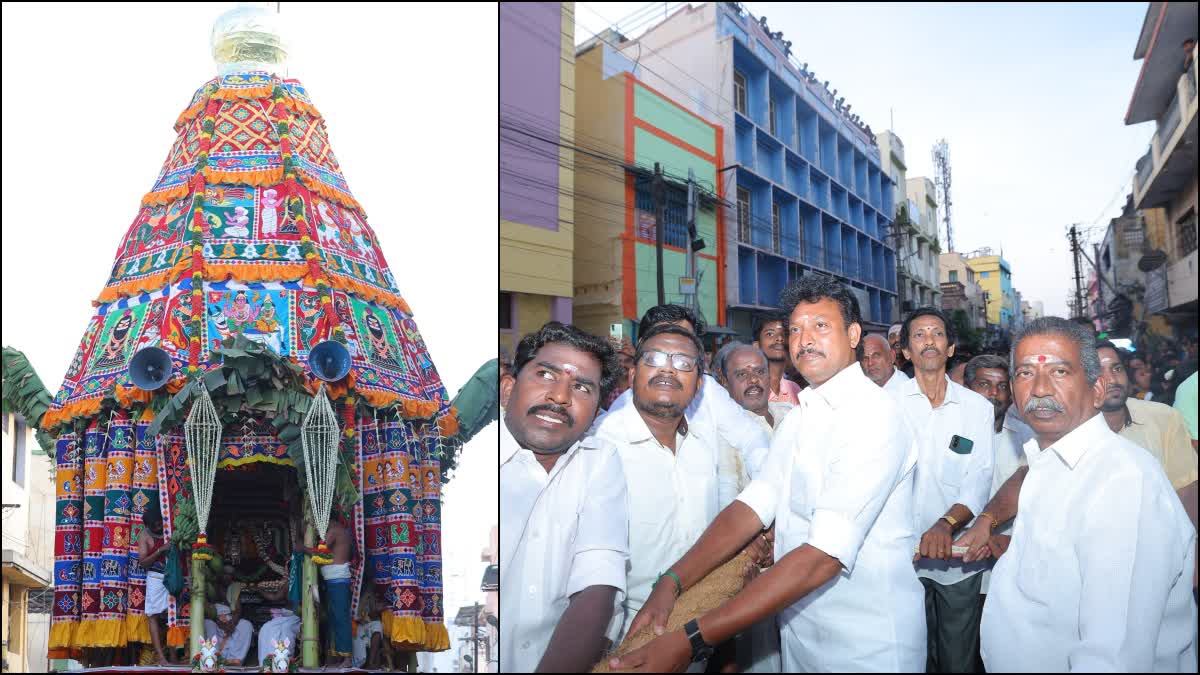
1042, 359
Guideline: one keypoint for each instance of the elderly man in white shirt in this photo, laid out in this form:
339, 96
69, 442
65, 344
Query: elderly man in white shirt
838, 483
1096, 576
564, 526
745, 371
711, 410
878, 362
953, 427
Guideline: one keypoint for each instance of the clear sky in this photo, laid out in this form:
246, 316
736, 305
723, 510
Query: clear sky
90, 94
1031, 98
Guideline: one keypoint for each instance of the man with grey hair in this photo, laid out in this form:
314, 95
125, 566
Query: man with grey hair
1095, 578
879, 363
745, 371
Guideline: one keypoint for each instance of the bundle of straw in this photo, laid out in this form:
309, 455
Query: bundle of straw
720, 585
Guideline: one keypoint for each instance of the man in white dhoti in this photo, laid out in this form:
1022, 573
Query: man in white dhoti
838, 483
225, 621
284, 625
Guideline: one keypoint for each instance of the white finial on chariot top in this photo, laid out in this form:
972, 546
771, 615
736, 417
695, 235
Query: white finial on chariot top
250, 38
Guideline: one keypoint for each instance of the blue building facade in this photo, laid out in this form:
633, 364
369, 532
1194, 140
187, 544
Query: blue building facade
811, 197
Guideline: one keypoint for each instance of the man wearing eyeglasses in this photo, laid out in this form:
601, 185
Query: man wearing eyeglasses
671, 466
711, 408
838, 484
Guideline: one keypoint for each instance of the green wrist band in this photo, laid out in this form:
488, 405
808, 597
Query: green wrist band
678, 584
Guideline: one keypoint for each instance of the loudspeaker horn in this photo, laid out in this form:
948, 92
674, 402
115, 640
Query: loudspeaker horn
150, 368
329, 361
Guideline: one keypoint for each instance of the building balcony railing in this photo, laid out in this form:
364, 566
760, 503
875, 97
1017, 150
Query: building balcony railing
1160, 173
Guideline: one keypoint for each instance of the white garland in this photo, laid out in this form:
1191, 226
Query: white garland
203, 433
319, 436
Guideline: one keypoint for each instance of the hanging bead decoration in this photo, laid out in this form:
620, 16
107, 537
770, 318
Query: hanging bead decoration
202, 431
319, 436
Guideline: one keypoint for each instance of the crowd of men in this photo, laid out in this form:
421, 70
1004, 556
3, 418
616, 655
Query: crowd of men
880, 508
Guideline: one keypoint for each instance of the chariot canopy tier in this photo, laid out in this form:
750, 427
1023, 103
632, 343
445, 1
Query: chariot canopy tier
247, 252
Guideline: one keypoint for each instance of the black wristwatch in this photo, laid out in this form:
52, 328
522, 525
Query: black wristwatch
701, 650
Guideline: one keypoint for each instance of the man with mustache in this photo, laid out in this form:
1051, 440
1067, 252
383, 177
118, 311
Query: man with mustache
840, 494
770, 335
711, 410
1095, 578
879, 363
744, 370
671, 466
1155, 427
954, 429
564, 525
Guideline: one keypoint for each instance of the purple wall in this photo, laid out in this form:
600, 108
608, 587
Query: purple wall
530, 71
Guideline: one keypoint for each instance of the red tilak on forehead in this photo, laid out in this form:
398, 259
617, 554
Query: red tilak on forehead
1041, 358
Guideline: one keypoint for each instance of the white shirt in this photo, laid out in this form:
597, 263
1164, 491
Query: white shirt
1009, 457
732, 476
944, 477
716, 414
672, 496
895, 382
839, 478
560, 532
1098, 577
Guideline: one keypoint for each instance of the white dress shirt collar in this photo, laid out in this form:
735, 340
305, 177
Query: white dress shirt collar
627, 425
839, 390
912, 387
1072, 447
509, 446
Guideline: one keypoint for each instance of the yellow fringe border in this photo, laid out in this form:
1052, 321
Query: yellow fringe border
101, 633
62, 635
405, 631
137, 629
252, 459
437, 638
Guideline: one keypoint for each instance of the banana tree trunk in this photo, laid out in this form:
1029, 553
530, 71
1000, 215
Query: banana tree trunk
308, 617
199, 591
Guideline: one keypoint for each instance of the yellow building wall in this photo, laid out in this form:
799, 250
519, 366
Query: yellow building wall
990, 285
533, 311
600, 116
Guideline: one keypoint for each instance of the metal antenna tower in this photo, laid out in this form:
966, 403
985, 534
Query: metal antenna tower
941, 168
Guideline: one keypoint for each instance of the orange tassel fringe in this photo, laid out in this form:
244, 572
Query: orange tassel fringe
148, 284
263, 178
315, 185
128, 396
177, 636
240, 94
166, 196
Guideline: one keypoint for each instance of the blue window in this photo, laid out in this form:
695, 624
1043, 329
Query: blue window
984, 275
